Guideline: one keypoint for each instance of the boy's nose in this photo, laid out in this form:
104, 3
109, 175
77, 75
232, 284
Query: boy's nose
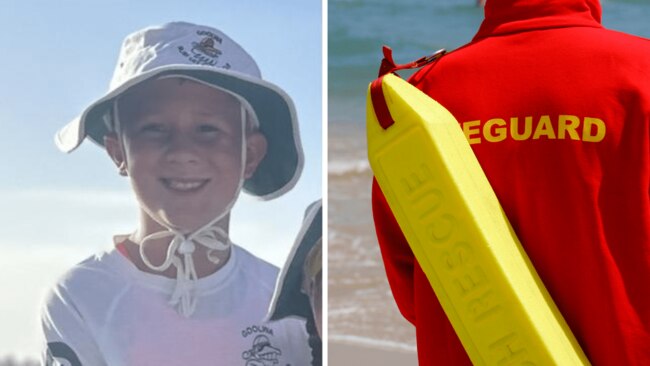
182, 150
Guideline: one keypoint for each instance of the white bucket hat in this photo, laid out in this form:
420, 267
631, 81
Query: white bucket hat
206, 54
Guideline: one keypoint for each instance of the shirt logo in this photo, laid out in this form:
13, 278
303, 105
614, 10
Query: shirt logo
262, 352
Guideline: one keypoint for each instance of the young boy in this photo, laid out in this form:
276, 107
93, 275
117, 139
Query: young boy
190, 121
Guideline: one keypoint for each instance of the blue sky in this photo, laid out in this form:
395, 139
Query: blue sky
58, 56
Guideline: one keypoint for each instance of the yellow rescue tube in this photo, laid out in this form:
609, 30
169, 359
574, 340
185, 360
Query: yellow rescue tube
461, 237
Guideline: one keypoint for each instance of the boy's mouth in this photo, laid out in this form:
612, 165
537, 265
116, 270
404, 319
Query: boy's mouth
184, 184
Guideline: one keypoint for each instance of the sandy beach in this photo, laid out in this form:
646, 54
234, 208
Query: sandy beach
343, 354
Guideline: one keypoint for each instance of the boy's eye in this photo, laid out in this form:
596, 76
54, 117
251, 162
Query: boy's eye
207, 128
153, 128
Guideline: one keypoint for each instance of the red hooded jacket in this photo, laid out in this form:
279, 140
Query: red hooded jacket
557, 110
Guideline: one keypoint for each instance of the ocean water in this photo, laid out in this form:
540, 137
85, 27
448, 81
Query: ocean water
361, 308
414, 28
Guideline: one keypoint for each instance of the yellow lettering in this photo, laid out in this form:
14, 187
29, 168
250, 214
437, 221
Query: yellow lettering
460, 256
587, 130
429, 201
416, 180
568, 124
468, 282
511, 350
500, 131
590, 129
471, 128
442, 229
483, 306
514, 128
544, 128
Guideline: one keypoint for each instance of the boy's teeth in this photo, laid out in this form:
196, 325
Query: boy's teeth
184, 185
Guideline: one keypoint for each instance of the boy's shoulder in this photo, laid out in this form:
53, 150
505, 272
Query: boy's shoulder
93, 281
255, 267
100, 264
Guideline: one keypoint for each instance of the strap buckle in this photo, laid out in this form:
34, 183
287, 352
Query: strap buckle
388, 65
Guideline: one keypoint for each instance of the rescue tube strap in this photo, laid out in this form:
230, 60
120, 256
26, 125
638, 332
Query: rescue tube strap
387, 66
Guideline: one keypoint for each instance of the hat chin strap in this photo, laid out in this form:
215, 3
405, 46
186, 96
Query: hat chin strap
182, 246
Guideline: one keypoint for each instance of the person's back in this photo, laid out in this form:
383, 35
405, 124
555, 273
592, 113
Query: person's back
557, 110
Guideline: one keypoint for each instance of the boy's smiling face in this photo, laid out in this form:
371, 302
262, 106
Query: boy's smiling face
181, 144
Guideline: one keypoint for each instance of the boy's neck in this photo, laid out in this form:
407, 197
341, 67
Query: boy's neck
204, 267
157, 251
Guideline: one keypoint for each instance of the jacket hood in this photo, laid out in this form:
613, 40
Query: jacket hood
513, 16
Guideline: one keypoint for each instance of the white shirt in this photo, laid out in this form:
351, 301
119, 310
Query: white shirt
105, 311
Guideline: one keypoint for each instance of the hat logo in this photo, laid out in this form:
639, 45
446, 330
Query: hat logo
206, 47
205, 51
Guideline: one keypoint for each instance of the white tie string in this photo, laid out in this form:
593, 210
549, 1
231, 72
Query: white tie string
179, 255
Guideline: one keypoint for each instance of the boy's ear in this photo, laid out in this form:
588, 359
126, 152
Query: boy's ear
115, 151
255, 151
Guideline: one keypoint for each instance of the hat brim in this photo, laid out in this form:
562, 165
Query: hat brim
280, 169
288, 299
